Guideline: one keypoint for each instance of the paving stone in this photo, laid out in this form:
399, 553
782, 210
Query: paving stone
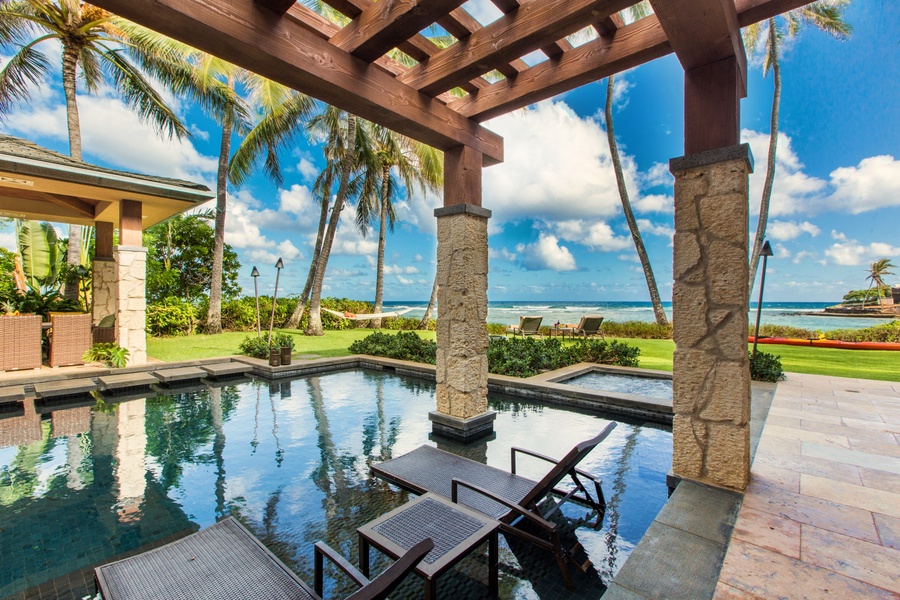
852, 457
127, 380
888, 530
617, 592
66, 387
870, 499
768, 574
705, 511
769, 531
226, 369
170, 376
671, 563
726, 592
861, 560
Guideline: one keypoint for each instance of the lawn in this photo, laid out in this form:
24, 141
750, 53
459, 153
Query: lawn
655, 354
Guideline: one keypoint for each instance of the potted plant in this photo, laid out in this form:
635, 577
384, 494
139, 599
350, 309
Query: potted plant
284, 342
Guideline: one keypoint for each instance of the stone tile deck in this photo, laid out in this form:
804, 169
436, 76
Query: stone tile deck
821, 517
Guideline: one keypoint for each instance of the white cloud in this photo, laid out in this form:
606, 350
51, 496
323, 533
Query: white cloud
646, 226
502, 253
546, 253
307, 169
658, 203
788, 230
289, 251
658, 175
347, 239
405, 281
484, 11
839, 236
874, 183
8, 241
793, 190
418, 258
851, 252
199, 133
298, 200
804, 256
596, 236
781, 251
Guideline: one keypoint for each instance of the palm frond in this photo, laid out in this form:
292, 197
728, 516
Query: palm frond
27, 67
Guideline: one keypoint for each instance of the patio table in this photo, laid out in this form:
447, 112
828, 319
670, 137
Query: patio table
456, 531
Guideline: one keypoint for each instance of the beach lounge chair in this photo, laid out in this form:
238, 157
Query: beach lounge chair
512, 499
589, 326
527, 326
226, 561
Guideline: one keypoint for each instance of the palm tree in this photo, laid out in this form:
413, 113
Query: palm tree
877, 271
637, 11
826, 15
92, 41
348, 145
418, 165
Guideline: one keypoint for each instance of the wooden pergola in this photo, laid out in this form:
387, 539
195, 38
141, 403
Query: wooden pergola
349, 67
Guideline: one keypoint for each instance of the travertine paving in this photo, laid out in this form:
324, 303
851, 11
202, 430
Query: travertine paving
821, 517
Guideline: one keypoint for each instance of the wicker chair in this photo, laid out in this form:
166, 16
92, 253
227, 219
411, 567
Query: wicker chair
70, 338
20, 342
104, 332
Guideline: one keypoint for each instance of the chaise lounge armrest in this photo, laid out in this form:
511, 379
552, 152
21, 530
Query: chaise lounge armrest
381, 586
515, 449
516, 508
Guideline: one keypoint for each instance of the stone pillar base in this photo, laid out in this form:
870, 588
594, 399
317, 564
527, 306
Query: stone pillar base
131, 317
463, 431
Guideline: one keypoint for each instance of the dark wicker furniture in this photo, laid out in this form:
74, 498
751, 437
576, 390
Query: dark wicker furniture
225, 561
502, 495
20, 342
454, 529
70, 338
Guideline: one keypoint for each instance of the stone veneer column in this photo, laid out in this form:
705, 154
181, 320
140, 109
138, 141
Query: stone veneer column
104, 288
711, 395
131, 323
462, 266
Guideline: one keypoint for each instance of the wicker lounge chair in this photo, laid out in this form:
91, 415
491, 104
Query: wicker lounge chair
527, 326
226, 561
505, 496
589, 326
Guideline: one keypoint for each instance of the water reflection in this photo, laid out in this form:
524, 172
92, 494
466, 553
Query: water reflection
86, 485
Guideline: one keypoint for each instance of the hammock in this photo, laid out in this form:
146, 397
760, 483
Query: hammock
365, 317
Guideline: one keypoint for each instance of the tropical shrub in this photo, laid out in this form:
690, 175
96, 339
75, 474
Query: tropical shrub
870, 296
257, 347
110, 354
405, 324
171, 316
527, 357
765, 367
638, 329
38, 303
887, 332
283, 340
404, 345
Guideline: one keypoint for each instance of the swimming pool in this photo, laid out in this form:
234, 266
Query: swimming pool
290, 459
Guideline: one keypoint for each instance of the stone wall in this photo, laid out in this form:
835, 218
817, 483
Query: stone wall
462, 265
711, 379
131, 274
104, 288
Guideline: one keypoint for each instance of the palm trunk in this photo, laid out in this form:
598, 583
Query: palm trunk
214, 314
70, 65
379, 267
629, 214
293, 321
760, 237
314, 326
423, 324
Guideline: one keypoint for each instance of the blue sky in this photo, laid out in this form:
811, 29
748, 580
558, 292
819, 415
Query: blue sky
558, 232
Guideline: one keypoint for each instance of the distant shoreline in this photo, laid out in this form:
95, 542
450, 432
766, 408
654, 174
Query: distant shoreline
895, 316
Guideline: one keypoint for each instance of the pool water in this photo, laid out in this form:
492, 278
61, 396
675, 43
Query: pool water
290, 460
628, 384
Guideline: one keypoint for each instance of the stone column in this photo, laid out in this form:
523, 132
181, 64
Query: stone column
711, 395
131, 274
104, 288
462, 264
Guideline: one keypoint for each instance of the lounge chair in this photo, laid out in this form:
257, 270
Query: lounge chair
527, 326
589, 326
226, 561
505, 496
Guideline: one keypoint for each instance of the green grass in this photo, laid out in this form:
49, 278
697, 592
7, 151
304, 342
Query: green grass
655, 354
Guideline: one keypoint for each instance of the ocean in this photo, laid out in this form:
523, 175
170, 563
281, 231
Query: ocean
773, 313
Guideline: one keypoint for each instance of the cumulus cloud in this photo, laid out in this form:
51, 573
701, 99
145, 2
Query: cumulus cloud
850, 252
788, 230
8, 240
596, 236
645, 226
307, 169
502, 253
658, 175
546, 253
347, 239
869, 185
654, 203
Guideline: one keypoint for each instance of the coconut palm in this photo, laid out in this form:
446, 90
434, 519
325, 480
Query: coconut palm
877, 271
637, 11
418, 165
826, 15
93, 43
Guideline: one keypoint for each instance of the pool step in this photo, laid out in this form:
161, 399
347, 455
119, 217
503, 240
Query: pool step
12, 401
127, 383
179, 377
62, 395
229, 369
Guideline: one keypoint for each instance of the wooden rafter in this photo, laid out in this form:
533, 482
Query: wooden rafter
386, 24
754, 11
515, 34
631, 46
552, 50
278, 6
78, 206
261, 41
703, 32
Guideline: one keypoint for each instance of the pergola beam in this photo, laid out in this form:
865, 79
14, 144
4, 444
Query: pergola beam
263, 42
278, 6
527, 28
552, 50
631, 46
703, 32
76, 205
386, 24
754, 11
